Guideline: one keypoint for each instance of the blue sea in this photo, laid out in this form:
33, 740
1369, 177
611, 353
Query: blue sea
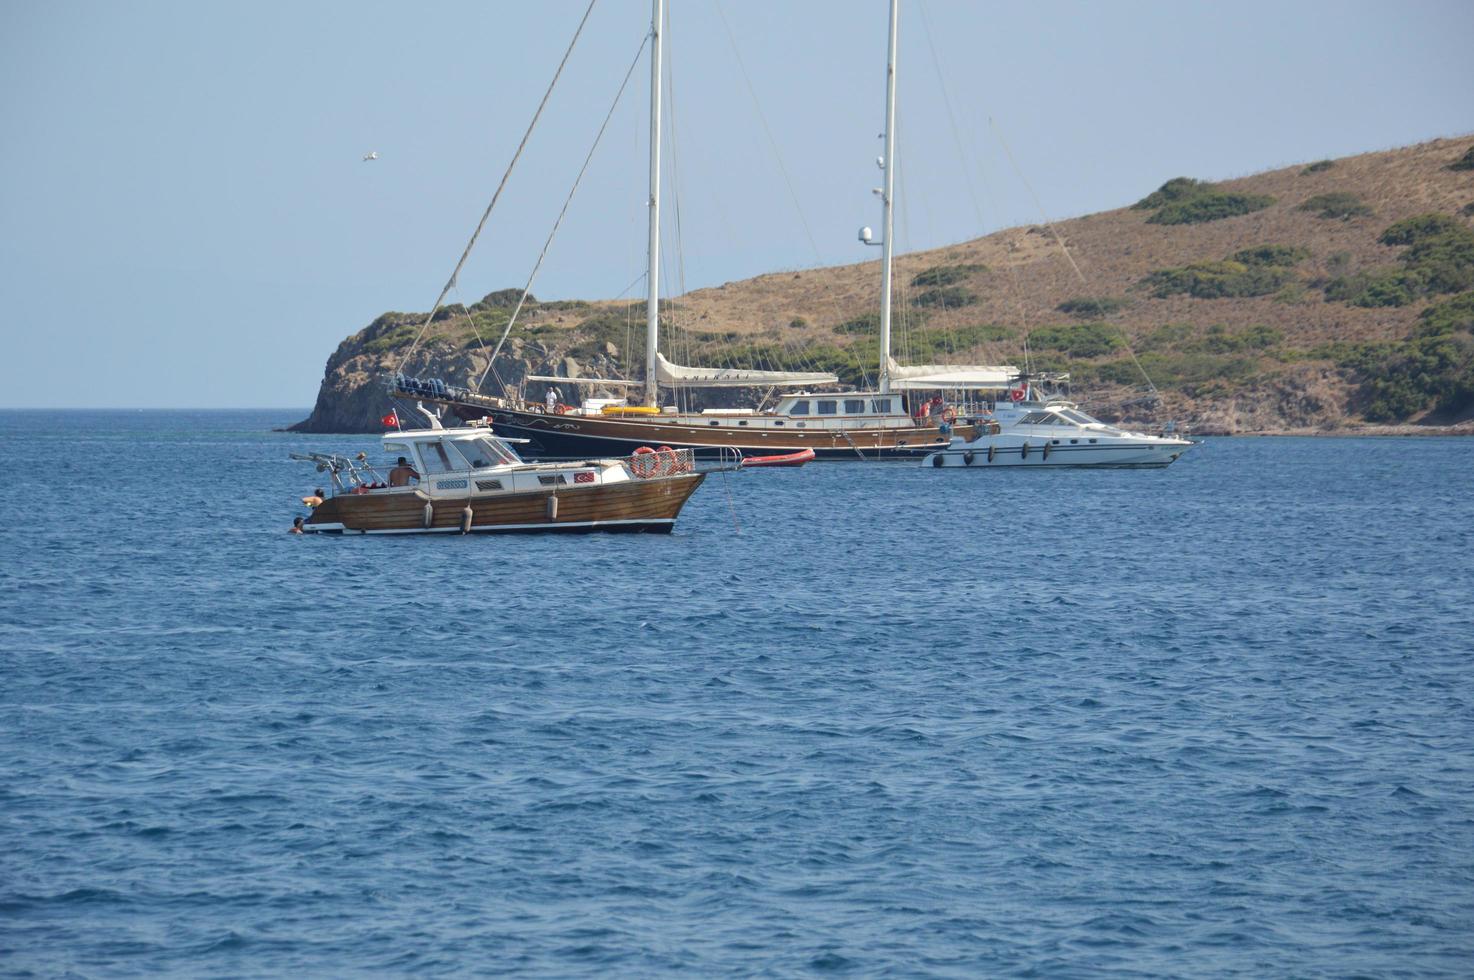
858, 718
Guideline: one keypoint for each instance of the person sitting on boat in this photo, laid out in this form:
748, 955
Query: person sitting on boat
315, 499
402, 474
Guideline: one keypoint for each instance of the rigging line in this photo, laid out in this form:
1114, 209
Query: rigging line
461, 302
792, 350
537, 266
677, 332
951, 117
1037, 206
1063, 248
450, 283
772, 143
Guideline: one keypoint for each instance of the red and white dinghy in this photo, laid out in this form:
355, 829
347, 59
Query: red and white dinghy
787, 459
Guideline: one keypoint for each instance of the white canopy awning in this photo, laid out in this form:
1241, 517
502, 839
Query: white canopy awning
980, 376
676, 374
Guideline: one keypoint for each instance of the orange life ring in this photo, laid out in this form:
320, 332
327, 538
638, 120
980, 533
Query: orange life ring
669, 461
644, 463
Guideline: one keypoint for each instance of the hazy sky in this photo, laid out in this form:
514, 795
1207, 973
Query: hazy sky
185, 219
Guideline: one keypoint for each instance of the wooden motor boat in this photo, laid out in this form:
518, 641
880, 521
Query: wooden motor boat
470, 481
786, 459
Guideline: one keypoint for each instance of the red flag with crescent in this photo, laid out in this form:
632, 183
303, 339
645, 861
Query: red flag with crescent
391, 421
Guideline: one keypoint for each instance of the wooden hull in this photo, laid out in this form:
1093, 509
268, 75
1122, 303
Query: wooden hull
632, 506
582, 436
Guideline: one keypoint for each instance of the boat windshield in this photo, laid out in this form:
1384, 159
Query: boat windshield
1079, 417
1044, 418
481, 453
461, 455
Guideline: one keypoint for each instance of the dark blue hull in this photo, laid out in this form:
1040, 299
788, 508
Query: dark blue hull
554, 437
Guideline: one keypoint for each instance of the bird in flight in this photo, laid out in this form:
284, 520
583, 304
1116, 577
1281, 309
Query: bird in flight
371, 155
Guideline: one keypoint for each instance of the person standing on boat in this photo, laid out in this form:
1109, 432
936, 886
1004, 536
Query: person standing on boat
554, 396
402, 474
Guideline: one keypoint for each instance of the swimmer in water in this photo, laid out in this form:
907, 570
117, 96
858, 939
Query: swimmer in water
297, 526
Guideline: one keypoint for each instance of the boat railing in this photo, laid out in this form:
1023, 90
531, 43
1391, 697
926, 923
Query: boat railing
647, 464
347, 475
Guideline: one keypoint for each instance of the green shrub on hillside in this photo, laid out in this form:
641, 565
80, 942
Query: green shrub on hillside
982, 333
506, 299
1371, 288
1402, 378
1451, 316
947, 297
1317, 167
1087, 308
945, 275
1077, 339
1338, 204
388, 332
1219, 280
866, 323
1410, 231
1189, 372
1218, 340
1184, 201
1438, 258
1433, 368
1176, 189
1465, 162
1443, 263
1210, 207
1277, 255
1170, 335
1467, 210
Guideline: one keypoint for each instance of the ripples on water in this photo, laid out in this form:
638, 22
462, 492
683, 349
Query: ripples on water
1209, 720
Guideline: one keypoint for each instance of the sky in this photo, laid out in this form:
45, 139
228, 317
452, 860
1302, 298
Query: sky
186, 219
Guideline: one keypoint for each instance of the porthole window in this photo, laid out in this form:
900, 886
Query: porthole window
742, 421
713, 422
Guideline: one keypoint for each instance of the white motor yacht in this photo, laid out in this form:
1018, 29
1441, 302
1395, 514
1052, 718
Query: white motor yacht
1059, 434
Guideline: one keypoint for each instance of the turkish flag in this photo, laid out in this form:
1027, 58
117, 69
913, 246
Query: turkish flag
391, 421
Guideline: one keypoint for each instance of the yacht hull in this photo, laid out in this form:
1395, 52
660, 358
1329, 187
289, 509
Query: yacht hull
986, 454
558, 437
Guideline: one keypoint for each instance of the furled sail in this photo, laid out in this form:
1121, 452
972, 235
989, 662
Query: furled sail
925, 376
699, 377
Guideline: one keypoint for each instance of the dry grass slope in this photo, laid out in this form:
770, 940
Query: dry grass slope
1280, 356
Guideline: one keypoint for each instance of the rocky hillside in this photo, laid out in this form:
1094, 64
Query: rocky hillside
1330, 296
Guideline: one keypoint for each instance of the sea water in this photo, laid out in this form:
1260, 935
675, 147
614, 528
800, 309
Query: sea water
859, 717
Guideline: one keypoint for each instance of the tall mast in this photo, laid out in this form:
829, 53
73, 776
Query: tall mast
652, 270
887, 220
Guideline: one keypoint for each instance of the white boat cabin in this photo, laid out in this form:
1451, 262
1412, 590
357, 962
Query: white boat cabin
473, 461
